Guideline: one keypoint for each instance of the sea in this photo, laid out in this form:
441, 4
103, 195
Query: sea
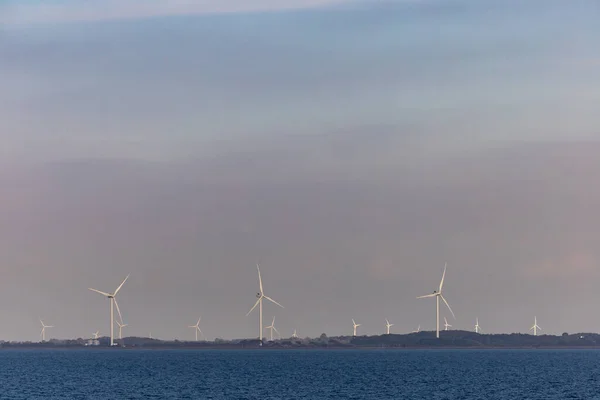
300, 374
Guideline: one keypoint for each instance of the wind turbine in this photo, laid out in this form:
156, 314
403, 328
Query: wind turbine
272, 328
43, 332
535, 327
477, 327
355, 326
261, 295
196, 328
95, 334
438, 295
418, 329
113, 302
121, 326
446, 324
294, 335
388, 326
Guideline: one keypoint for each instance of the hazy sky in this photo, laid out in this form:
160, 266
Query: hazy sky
351, 148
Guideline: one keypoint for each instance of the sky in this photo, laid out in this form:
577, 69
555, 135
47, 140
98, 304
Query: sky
349, 147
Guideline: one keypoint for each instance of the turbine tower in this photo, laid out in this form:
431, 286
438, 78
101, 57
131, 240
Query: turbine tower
43, 332
535, 327
272, 328
261, 295
196, 328
95, 334
446, 324
438, 295
121, 326
477, 327
113, 303
388, 326
355, 326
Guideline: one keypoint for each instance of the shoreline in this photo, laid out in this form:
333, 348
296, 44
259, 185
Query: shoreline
298, 348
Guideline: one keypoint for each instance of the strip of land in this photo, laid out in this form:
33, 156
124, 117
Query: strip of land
448, 339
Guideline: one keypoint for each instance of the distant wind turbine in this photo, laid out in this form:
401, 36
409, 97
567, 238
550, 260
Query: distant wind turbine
95, 334
197, 328
272, 328
43, 332
477, 327
388, 326
355, 325
535, 327
446, 324
294, 335
113, 302
438, 295
261, 295
121, 326
418, 329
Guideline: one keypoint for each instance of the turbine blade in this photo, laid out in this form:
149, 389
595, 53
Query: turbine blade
121, 285
119, 311
259, 279
443, 276
427, 295
275, 329
273, 301
198, 323
448, 305
102, 293
252, 309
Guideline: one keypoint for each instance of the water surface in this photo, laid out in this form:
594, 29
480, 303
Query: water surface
300, 374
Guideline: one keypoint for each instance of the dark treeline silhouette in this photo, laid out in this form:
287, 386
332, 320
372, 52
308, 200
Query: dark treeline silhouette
449, 339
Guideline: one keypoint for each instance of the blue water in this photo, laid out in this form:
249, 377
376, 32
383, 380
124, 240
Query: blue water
300, 374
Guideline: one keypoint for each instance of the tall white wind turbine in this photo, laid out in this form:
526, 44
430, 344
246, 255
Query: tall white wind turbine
121, 326
197, 328
535, 327
294, 335
438, 295
261, 295
113, 303
95, 334
477, 327
355, 325
43, 332
388, 326
272, 328
446, 324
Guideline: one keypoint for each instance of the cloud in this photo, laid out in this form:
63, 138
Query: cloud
15, 12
